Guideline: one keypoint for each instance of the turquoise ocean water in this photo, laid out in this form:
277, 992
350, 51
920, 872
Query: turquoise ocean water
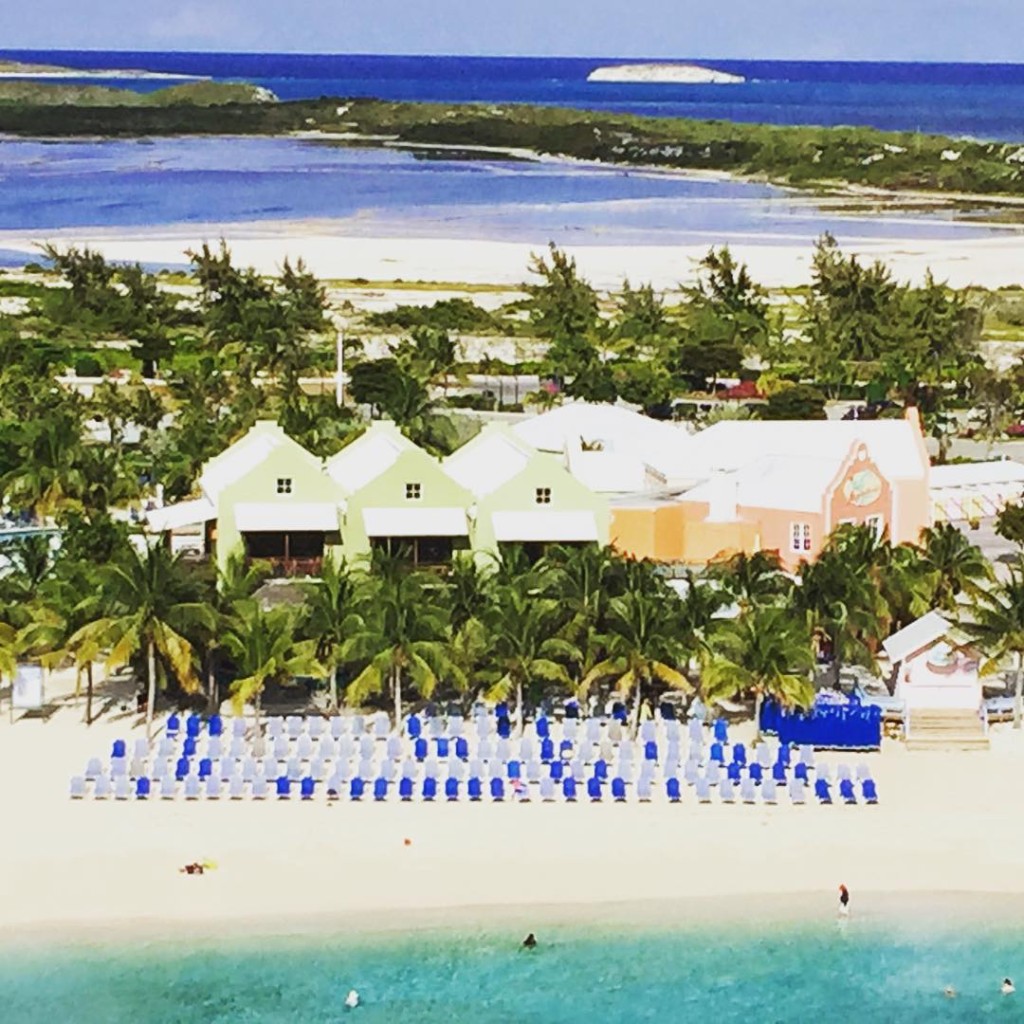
822, 974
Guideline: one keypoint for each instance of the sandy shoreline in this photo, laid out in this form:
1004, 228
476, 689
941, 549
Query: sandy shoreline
330, 253
945, 825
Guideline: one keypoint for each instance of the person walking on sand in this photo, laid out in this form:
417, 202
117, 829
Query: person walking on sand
844, 900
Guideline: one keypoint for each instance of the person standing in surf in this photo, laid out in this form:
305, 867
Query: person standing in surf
844, 900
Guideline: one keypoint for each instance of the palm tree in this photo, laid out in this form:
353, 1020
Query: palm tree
996, 619
643, 647
522, 646
262, 647
766, 652
752, 580
149, 600
403, 633
330, 617
955, 566
583, 580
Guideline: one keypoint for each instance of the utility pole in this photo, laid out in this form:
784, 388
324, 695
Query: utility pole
339, 380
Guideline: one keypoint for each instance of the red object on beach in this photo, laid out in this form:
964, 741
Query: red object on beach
407, 842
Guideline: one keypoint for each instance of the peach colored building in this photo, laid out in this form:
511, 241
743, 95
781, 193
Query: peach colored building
742, 485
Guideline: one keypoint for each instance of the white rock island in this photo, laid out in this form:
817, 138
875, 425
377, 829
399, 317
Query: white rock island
666, 74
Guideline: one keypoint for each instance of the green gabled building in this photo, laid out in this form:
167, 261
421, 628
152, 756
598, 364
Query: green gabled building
399, 499
267, 497
522, 496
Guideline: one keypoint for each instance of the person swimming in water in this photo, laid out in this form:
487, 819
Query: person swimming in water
530, 941
1007, 988
844, 900
352, 999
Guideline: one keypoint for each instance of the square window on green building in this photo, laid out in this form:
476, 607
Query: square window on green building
284, 485
543, 496
413, 492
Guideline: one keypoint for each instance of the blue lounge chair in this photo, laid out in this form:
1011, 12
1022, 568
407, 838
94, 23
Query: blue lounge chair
569, 789
739, 753
515, 770
565, 750
721, 728
497, 789
356, 788
142, 787
283, 787
504, 727
672, 790
380, 789
547, 749
779, 771
413, 727
451, 789
734, 771
800, 771
601, 769
215, 726
594, 790
429, 788
442, 747
188, 748
205, 767
543, 728
405, 788
419, 749
474, 790
822, 792
193, 725
557, 770
181, 769
118, 749
785, 754
846, 791
173, 726
462, 748
755, 771
651, 751
716, 753
618, 790
868, 789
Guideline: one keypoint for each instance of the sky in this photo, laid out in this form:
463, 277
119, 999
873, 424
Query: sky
944, 30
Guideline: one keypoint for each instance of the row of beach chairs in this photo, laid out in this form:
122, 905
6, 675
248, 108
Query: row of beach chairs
474, 789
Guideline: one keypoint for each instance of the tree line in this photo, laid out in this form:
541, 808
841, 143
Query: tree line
581, 621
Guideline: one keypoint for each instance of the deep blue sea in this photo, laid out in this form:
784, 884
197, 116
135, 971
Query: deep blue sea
46, 186
980, 100
719, 975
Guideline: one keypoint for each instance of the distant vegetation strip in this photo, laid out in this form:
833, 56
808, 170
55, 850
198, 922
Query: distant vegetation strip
808, 157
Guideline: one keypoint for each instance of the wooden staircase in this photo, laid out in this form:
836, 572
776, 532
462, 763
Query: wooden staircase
945, 729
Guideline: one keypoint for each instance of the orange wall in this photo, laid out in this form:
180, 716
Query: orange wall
850, 498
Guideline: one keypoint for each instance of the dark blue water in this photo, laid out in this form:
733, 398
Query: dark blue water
721, 975
979, 100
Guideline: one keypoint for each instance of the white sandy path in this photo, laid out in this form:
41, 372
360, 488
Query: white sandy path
947, 823
330, 253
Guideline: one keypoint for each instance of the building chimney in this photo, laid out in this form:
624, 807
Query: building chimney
722, 498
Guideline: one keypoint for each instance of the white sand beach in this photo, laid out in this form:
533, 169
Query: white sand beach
332, 254
947, 823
